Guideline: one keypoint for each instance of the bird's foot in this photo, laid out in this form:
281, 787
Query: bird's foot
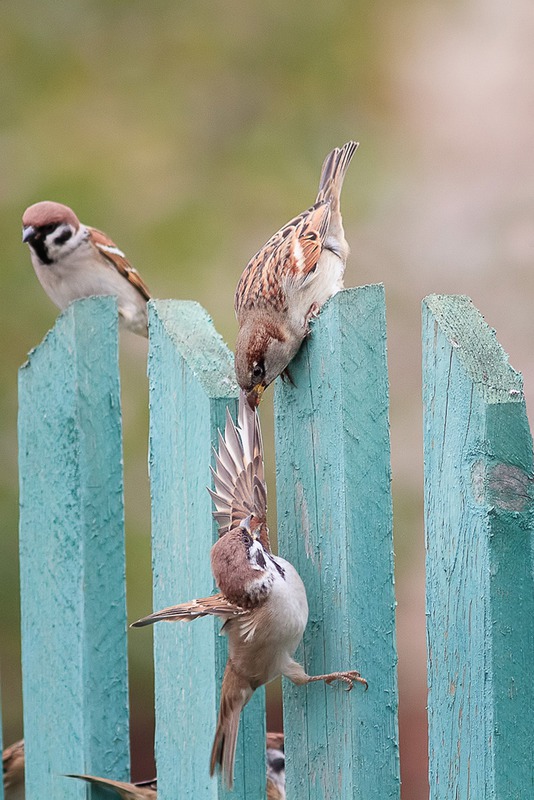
313, 312
348, 677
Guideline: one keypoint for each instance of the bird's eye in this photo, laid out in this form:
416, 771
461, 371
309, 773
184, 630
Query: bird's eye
258, 371
44, 230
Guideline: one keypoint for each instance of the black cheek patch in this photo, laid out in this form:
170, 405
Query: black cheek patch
260, 559
63, 237
40, 249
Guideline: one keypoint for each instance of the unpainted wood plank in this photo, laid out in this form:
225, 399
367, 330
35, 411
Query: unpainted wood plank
335, 526
479, 539
191, 384
72, 566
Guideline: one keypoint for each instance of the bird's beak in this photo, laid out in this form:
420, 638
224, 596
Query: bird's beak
246, 523
254, 396
28, 233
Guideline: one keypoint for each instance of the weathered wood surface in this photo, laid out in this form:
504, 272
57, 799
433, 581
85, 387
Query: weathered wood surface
479, 537
335, 526
72, 555
191, 384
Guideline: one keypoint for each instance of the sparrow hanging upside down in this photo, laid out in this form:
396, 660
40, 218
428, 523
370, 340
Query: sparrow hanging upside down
288, 281
262, 599
73, 261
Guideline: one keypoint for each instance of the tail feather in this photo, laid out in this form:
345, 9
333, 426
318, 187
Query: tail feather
236, 691
333, 172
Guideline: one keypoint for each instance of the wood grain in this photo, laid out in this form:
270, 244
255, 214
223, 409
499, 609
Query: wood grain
191, 384
335, 526
479, 538
72, 555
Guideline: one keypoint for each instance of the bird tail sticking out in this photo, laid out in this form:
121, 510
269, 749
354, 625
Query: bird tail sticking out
235, 693
334, 168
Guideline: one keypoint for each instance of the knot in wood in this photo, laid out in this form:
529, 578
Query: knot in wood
505, 486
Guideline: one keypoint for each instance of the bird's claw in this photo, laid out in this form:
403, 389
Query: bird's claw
348, 677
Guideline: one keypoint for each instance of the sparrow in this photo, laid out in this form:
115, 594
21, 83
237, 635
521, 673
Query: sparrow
288, 281
13, 770
72, 260
262, 599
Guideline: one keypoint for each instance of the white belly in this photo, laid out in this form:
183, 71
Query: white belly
260, 645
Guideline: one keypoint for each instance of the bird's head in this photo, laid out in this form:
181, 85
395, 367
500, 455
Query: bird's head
264, 348
241, 566
51, 230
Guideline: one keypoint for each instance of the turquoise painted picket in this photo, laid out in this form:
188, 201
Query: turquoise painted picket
479, 515
335, 525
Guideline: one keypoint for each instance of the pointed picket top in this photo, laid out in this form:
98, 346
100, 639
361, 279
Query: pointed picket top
73, 604
192, 383
479, 526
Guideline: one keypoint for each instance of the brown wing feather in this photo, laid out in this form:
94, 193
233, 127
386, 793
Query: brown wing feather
107, 248
288, 259
238, 478
128, 791
265, 274
216, 605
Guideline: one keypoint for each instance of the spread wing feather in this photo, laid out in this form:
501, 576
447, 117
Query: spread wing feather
216, 605
129, 791
238, 477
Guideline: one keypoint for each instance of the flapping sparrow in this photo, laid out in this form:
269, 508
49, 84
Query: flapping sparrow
73, 260
287, 282
262, 599
13, 770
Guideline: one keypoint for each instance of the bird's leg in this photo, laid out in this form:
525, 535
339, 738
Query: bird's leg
286, 377
296, 673
313, 312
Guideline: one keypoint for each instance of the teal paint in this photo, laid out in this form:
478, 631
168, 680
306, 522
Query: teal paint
335, 526
479, 539
72, 555
191, 383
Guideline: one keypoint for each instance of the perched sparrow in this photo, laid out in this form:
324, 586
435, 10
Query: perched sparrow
285, 284
276, 774
262, 600
72, 261
146, 790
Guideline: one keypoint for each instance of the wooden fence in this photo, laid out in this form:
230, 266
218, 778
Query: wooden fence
335, 525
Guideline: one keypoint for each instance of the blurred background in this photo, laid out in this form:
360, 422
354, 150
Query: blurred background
190, 132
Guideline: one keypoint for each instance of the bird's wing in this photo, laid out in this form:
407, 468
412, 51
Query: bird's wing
13, 764
109, 250
287, 260
240, 490
128, 791
216, 605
